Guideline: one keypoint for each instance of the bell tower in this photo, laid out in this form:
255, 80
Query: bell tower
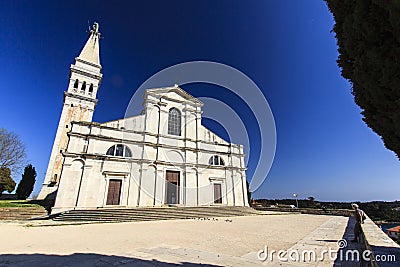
79, 104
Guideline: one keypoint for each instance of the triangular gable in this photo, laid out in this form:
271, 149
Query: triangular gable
179, 91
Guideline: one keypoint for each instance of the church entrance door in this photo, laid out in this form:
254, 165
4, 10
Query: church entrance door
172, 187
217, 194
114, 192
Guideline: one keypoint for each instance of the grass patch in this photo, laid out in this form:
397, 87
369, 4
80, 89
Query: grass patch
16, 203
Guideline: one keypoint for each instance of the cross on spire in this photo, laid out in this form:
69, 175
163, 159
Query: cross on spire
90, 52
95, 29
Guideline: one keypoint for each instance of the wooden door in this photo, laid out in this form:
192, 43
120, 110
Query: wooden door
172, 187
114, 192
217, 194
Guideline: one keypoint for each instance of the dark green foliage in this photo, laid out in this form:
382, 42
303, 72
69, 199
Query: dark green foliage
376, 210
25, 186
6, 182
368, 36
248, 194
381, 211
311, 202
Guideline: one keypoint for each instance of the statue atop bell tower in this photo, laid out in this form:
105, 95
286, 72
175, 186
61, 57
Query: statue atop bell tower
79, 104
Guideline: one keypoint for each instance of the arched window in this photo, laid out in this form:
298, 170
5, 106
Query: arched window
174, 122
83, 87
216, 160
91, 89
76, 84
119, 151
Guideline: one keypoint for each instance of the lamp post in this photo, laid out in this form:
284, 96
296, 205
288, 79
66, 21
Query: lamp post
297, 203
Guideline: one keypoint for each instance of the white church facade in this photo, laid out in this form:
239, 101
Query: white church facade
164, 156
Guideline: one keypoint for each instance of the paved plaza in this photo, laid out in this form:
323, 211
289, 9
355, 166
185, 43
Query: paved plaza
209, 242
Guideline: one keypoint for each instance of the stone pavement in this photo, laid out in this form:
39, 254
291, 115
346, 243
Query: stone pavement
196, 243
325, 246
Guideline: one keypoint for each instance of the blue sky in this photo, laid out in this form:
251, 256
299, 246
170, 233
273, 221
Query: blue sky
324, 149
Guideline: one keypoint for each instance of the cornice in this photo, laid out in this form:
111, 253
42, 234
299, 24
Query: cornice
80, 97
99, 157
154, 145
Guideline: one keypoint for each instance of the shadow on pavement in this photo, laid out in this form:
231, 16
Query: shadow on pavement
350, 254
384, 256
82, 260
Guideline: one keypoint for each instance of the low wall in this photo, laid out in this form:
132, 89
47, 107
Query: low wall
21, 213
334, 212
8, 197
385, 252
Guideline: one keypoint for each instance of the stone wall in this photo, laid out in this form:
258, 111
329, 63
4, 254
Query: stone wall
385, 252
8, 197
21, 213
334, 212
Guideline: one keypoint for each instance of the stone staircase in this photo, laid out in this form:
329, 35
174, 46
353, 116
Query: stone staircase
152, 213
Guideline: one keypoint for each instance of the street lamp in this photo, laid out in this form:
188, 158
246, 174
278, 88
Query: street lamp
297, 203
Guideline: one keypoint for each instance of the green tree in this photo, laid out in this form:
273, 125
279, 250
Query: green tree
248, 194
311, 202
6, 182
368, 37
25, 186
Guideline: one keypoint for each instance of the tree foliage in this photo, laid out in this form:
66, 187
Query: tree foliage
368, 37
25, 186
376, 210
248, 194
6, 182
312, 201
12, 151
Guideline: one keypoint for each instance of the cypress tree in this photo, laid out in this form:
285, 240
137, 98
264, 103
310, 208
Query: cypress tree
6, 182
25, 186
368, 37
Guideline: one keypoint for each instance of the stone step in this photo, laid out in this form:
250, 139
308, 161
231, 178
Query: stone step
162, 211
130, 217
186, 213
153, 213
219, 209
118, 219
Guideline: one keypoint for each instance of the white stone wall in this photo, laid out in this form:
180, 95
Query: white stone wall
87, 169
78, 105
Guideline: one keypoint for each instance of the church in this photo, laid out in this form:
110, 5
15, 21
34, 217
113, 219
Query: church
161, 157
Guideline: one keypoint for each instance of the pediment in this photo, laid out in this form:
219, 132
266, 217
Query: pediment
173, 93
